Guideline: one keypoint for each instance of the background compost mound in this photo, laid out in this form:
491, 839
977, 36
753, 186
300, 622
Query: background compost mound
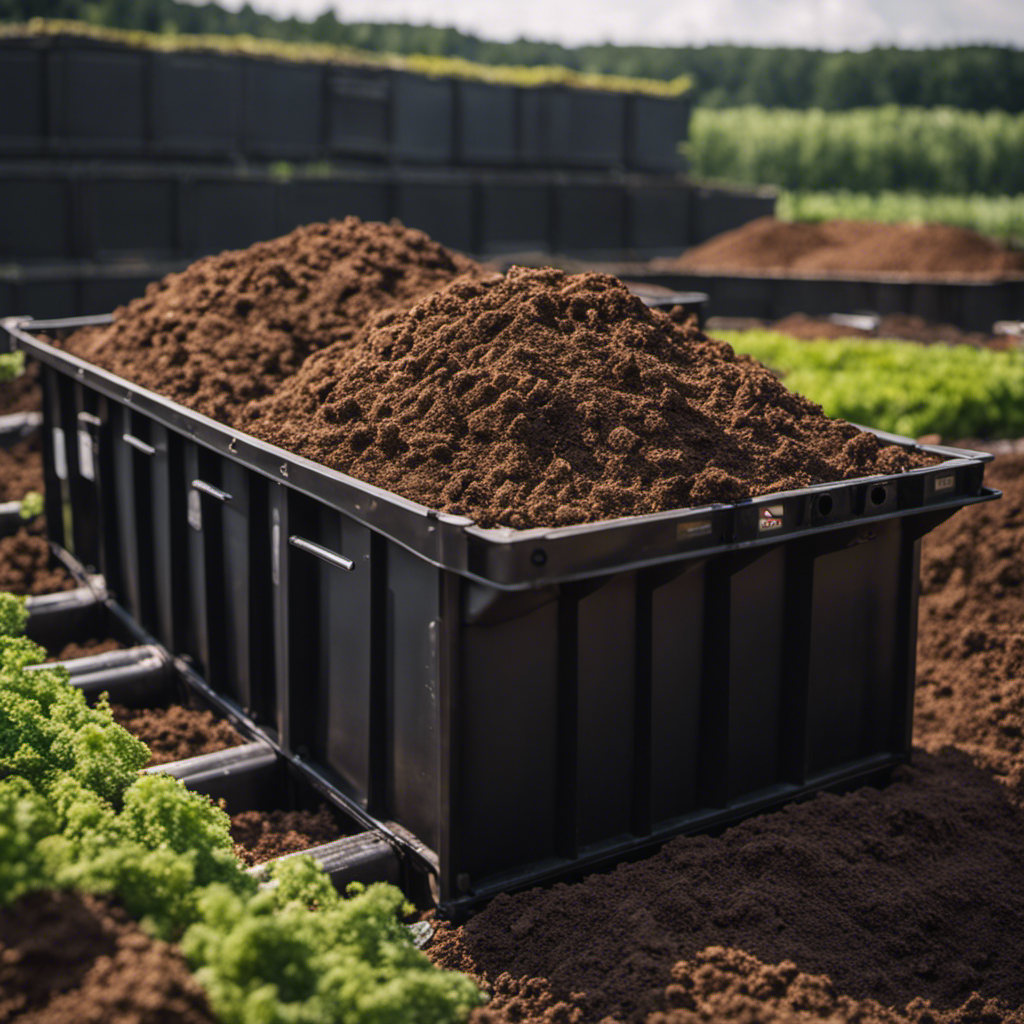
26, 565
840, 246
21, 469
262, 835
67, 958
541, 399
970, 667
915, 890
230, 327
176, 732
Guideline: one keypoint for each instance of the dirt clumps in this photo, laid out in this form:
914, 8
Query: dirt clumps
68, 958
970, 662
21, 469
23, 393
851, 247
916, 890
85, 649
27, 566
230, 327
546, 399
175, 733
262, 835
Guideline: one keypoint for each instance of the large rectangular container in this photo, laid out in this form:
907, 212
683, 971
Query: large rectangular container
508, 706
23, 88
358, 112
283, 109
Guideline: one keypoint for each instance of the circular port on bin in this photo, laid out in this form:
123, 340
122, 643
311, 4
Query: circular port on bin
825, 504
878, 495
539, 556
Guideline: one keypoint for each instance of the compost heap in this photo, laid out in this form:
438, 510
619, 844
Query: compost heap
836, 247
229, 328
540, 398
888, 906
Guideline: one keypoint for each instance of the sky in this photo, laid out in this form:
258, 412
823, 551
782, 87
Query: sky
827, 24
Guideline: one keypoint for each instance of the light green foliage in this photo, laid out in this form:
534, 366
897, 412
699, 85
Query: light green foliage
269, 960
12, 364
940, 150
999, 217
48, 731
13, 614
25, 820
953, 390
31, 505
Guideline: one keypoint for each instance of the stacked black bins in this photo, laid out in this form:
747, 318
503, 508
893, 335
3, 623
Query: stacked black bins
509, 706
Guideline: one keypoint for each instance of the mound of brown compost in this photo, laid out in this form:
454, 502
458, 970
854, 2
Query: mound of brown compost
67, 958
837, 247
542, 399
26, 565
176, 732
21, 469
85, 649
912, 891
262, 835
23, 393
229, 328
970, 667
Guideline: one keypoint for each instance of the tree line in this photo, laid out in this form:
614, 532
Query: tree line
970, 77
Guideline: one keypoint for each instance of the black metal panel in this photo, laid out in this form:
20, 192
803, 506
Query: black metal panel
515, 215
485, 123
590, 218
422, 119
35, 216
97, 100
130, 216
23, 88
308, 200
358, 113
226, 213
196, 104
443, 207
283, 109
659, 218
714, 211
656, 126
585, 128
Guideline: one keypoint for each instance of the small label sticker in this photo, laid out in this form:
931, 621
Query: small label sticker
770, 518
86, 460
945, 483
690, 531
195, 509
60, 454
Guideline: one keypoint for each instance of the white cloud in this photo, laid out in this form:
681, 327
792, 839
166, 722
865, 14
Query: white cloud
831, 24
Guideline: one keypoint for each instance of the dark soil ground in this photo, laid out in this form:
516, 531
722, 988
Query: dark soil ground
21, 469
175, 733
27, 566
66, 958
85, 649
262, 835
23, 394
851, 247
896, 895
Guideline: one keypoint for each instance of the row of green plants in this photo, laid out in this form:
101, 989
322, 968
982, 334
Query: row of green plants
75, 813
941, 150
999, 217
434, 65
954, 390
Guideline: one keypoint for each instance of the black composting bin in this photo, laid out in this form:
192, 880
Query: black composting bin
509, 706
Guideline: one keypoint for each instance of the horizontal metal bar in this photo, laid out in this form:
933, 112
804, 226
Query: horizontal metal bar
213, 492
321, 552
135, 442
89, 419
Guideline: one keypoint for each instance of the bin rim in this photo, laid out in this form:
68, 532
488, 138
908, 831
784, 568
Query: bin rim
510, 559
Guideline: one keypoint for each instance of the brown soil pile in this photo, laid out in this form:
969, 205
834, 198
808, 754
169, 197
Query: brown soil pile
262, 835
67, 958
542, 399
841, 247
893, 325
970, 669
23, 394
26, 565
229, 328
175, 733
913, 891
21, 470
85, 649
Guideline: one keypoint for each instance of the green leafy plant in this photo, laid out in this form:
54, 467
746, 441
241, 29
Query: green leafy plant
31, 505
12, 364
953, 390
